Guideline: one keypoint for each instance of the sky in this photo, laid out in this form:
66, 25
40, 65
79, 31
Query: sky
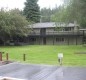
10, 4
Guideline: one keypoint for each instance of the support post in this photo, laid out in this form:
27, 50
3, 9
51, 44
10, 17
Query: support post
7, 57
53, 38
68, 40
39, 39
0, 56
83, 37
76, 40
24, 57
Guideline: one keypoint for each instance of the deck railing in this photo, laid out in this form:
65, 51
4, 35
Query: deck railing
58, 33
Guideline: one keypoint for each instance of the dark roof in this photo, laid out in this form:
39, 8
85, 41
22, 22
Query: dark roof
51, 24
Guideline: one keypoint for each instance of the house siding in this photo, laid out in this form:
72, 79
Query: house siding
47, 35
52, 41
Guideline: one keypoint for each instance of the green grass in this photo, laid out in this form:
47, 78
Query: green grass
40, 54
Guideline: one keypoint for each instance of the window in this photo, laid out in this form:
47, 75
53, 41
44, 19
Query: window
60, 39
68, 29
33, 39
58, 29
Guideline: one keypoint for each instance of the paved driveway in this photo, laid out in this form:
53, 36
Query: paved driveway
42, 72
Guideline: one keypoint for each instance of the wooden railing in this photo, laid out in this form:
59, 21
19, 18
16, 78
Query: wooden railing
59, 33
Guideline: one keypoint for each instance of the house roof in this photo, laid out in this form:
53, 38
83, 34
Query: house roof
51, 25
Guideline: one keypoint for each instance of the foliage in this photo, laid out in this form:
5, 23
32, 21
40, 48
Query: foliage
60, 15
71, 11
19, 22
16, 11
31, 11
12, 24
46, 14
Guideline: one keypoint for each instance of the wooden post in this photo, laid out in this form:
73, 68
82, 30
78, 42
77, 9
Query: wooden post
39, 39
7, 57
24, 57
53, 38
76, 40
83, 37
0, 56
68, 40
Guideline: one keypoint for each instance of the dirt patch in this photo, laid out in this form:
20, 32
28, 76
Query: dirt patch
5, 62
80, 52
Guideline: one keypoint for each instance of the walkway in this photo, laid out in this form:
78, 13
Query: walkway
42, 72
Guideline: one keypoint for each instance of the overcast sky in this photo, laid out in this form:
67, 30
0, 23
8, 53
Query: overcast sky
10, 4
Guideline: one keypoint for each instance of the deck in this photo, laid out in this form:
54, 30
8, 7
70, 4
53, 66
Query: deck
76, 33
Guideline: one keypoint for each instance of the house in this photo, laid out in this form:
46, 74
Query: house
51, 33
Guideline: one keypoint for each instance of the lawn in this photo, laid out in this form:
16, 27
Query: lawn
40, 54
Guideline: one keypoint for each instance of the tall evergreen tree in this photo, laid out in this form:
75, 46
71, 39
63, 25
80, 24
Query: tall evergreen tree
32, 10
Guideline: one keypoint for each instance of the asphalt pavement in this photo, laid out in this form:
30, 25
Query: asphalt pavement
42, 72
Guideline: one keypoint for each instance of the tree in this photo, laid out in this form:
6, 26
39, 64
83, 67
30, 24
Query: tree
16, 11
31, 10
12, 24
82, 13
46, 14
19, 22
61, 15
72, 10
78, 11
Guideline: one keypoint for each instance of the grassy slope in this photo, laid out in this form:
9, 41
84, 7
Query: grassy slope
47, 54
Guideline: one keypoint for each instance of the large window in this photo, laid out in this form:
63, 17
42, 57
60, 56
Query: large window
33, 39
60, 39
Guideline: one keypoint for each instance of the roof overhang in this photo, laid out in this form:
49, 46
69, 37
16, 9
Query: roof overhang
82, 29
51, 25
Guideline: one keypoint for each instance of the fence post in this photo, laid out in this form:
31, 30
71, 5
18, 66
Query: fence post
0, 56
24, 57
7, 57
